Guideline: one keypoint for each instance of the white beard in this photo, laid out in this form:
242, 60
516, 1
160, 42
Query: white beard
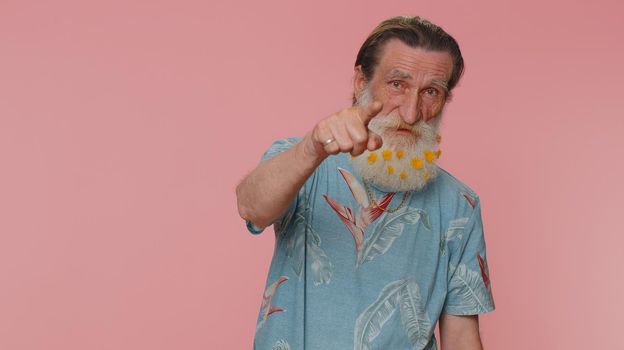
401, 164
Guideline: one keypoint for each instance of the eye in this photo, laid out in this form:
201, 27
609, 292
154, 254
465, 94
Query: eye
395, 84
432, 92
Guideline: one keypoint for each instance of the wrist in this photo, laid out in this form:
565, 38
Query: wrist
310, 152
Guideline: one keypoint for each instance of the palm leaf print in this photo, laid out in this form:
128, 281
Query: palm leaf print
281, 345
413, 316
280, 226
301, 236
321, 265
295, 245
454, 231
467, 291
388, 230
402, 294
424, 218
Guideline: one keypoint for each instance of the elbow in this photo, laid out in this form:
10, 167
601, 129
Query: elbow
245, 209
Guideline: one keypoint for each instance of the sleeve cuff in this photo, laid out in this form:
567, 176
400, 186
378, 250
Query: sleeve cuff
456, 311
253, 228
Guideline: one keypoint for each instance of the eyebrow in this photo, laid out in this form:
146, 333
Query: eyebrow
395, 73
440, 83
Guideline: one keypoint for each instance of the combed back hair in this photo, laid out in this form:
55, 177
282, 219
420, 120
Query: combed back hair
414, 31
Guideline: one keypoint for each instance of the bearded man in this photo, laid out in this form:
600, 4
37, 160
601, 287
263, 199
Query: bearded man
374, 242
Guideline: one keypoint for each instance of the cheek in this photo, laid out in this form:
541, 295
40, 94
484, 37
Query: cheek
390, 93
431, 111
392, 100
427, 112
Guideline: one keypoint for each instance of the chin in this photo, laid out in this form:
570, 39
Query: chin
400, 165
389, 183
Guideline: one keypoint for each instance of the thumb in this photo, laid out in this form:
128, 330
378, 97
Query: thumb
374, 141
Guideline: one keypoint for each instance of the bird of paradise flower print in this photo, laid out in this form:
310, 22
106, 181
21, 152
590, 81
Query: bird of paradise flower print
471, 200
485, 274
267, 309
357, 222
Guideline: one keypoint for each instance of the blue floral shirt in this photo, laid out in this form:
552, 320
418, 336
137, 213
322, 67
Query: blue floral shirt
348, 275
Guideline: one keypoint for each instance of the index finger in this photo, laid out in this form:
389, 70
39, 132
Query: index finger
369, 111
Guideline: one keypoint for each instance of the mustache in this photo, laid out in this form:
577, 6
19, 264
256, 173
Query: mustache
395, 122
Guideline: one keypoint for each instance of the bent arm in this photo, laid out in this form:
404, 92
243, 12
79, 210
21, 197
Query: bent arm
460, 332
264, 195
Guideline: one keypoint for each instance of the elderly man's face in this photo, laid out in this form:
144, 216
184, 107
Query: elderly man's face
411, 83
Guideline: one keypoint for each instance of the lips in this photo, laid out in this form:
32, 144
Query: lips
404, 132
401, 132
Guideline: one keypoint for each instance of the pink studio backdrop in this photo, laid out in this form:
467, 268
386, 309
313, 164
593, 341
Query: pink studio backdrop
126, 125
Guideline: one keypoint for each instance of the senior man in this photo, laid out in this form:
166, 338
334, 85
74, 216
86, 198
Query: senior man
374, 242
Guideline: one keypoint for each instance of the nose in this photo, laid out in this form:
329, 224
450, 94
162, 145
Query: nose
410, 109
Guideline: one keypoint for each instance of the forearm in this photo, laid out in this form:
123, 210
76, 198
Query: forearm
460, 332
266, 192
461, 344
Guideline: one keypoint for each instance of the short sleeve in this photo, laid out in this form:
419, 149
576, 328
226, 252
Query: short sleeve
469, 289
276, 148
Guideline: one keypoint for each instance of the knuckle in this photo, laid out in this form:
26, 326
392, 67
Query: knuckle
360, 116
346, 147
343, 113
360, 138
326, 122
321, 126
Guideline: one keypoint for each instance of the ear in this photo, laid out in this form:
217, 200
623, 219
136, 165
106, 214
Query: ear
359, 80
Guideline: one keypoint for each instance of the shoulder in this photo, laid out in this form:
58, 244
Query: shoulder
456, 193
449, 182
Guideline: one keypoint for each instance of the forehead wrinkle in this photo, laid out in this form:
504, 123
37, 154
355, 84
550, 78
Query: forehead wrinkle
421, 64
425, 70
396, 73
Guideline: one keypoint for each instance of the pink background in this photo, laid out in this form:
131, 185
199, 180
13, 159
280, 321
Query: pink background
126, 125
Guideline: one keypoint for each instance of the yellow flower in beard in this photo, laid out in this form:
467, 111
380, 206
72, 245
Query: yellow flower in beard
372, 158
438, 153
429, 156
386, 154
417, 163
399, 154
426, 176
403, 175
390, 169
